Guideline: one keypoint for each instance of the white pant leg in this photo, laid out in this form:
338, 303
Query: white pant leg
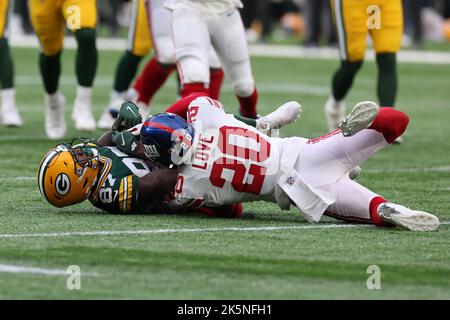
192, 45
214, 62
352, 201
228, 38
325, 160
161, 29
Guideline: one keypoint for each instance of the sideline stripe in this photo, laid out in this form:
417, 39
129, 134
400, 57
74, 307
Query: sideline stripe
193, 230
7, 268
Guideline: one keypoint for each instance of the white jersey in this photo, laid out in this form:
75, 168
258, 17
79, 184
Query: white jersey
231, 162
204, 6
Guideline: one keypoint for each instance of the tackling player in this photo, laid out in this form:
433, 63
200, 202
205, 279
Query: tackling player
354, 19
49, 18
223, 161
8, 114
117, 182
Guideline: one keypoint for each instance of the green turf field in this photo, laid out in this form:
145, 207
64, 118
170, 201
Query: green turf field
207, 258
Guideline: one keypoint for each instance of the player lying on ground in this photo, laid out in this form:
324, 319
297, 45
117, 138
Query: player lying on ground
120, 183
223, 161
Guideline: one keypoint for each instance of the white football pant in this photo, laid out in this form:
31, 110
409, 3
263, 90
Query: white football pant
194, 33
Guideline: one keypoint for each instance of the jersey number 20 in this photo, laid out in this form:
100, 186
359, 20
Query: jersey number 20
252, 148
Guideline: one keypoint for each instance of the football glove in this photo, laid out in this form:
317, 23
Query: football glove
125, 141
128, 117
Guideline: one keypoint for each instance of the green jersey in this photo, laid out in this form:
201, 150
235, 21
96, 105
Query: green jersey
118, 183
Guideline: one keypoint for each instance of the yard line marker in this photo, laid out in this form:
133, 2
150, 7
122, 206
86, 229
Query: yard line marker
408, 170
7, 268
188, 230
17, 178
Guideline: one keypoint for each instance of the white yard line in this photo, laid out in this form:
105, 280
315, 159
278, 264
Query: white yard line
188, 230
369, 170
7, 268
262, 50
408, 170
268, 87
17, 178
27, 138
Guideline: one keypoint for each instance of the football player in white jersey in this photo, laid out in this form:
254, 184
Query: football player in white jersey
223, 161
198, 24
159, 67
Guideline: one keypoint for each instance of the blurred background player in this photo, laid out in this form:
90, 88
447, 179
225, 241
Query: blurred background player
9, 115
354, 19
49, 18
198, 25
139, 44
158, 69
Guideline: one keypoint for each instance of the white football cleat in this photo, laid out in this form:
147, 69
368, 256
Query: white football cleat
354, 173
406, 218
9, 112
106, 120
55, 123
360, 118
282, 116
10, 116
334, 113
82, 115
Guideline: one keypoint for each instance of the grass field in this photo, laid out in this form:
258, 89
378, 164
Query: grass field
194, 257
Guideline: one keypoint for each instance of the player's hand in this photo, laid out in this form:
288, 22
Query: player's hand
125, 141
128, 117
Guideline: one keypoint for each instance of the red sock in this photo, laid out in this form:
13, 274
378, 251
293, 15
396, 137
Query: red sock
248, 105
391, 123
151, 79
188, 88
180, 106
215, 83
373, 207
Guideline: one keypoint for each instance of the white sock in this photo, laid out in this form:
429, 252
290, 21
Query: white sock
8, 98
131, 95
336, 103
53, 98
84, 93
115, 95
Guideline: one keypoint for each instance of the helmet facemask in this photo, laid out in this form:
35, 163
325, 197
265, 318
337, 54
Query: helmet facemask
68, 172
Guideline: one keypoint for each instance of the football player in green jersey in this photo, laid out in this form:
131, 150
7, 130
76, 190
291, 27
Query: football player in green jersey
114, 174
110, 179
